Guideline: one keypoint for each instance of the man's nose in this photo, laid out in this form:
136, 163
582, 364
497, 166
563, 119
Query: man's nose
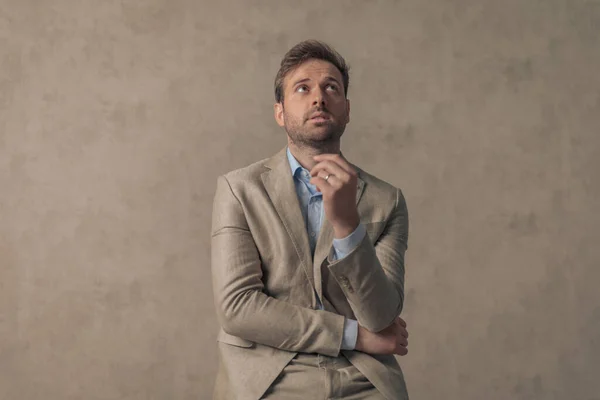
319, 99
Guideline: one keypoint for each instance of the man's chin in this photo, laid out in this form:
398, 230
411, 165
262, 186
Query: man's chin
320, 139
317, 134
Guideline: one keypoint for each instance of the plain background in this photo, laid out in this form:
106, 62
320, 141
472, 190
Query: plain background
116, 117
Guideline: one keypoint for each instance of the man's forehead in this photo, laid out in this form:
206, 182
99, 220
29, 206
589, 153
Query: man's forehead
315, 69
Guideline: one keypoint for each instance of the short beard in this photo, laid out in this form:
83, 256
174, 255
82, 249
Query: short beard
298, 136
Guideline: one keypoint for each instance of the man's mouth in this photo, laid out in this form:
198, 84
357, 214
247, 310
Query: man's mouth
319, 117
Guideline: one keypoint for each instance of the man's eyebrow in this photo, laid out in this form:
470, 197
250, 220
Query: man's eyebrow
327, 79
331, 78
300, 81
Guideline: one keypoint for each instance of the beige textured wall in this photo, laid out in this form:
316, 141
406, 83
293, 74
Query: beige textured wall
116, 117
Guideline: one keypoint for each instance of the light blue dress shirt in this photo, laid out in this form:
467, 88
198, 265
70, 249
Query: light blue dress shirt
311, 205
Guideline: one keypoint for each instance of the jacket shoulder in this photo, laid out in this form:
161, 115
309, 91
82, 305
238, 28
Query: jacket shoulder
248, 174
379, 189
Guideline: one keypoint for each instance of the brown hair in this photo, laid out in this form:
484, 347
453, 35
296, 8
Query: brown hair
304, 51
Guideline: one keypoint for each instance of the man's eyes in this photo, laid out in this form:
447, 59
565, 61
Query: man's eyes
306, 87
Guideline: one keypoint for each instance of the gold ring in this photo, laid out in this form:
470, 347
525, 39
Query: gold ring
327, 177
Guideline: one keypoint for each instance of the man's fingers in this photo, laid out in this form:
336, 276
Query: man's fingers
330, 168
402, 351
338, 159
320, 183
402, 322
403, 332
403, 341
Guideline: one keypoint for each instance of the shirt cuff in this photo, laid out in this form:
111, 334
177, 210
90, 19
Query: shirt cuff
343, 247
350, 334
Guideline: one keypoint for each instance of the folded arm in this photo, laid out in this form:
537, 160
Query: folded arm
341, 248
372, 276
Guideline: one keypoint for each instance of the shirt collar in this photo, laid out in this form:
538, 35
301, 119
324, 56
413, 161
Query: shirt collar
301, 173
294, 164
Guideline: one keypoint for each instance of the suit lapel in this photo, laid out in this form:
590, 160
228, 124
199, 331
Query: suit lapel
279, 184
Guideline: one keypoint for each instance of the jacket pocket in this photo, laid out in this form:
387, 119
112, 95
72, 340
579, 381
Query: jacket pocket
225, 337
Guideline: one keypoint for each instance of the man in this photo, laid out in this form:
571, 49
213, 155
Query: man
308, 255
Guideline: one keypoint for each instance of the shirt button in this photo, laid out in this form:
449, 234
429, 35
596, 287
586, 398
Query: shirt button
312, 234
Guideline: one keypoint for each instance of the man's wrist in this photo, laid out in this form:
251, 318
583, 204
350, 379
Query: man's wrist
359, 338
341, 231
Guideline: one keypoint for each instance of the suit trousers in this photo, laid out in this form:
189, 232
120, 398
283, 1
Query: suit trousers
320, 377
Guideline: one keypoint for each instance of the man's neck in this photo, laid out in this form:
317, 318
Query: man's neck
304, 155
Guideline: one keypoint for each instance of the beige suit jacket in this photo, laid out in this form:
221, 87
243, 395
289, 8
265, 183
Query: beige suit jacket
264, 279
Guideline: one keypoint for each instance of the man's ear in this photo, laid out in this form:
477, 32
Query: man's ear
279, 117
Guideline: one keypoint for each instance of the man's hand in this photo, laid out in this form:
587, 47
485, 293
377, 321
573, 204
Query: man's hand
339, 192
391, 340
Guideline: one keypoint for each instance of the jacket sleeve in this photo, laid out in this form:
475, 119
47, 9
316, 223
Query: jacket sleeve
372, 276
243, 308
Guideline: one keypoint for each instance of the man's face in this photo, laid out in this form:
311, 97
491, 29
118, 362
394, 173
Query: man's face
314, 111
